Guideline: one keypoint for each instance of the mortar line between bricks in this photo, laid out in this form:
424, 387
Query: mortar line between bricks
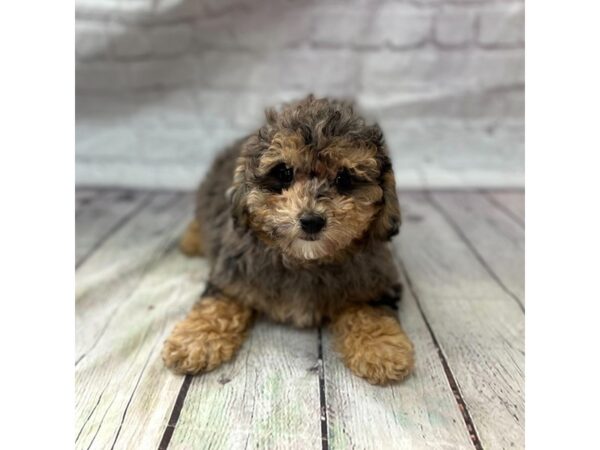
318, 46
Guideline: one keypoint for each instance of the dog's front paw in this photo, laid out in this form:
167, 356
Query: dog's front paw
373, 345
381, 360
208, 337
192, 354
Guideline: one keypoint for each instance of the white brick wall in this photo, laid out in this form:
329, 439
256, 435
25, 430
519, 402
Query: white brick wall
163, 84
454, 27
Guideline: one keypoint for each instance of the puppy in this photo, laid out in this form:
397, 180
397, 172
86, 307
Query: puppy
295, 220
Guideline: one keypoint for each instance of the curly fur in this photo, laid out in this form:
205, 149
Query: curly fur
210, 335
248, 226
372, 343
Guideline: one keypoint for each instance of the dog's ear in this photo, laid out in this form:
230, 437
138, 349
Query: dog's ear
387, 222
238, 191
237, 195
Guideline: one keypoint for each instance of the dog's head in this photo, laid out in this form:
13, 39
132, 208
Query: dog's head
314, 180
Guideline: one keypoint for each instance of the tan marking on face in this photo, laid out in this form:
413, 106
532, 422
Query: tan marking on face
275, 216
285, 147
348, 219
357, 157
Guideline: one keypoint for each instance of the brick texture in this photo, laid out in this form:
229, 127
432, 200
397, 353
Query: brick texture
502, 25
162, 84
454, 27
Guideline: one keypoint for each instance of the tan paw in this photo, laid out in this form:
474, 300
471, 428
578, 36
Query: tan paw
373, 344
192, 354
209, 336
382, 360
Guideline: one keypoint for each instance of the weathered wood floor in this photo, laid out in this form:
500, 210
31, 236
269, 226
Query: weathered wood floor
462, 261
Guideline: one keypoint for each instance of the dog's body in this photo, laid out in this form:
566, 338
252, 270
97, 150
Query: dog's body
245, 268
295, 221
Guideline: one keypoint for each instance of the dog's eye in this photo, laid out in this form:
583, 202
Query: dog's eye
282, 173
343, 180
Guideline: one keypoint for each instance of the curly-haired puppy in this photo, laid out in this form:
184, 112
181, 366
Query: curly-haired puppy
296, 220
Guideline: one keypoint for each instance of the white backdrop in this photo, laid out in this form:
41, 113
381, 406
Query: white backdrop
163, 85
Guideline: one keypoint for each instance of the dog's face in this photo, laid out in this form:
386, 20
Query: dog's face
315, 180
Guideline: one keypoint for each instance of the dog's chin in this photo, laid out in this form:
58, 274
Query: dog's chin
309, 250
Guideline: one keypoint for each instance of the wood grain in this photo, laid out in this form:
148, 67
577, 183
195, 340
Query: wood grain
496, 239
266, 398
109, 276
420, 412
99, 214
479, 328
511, 202
124, 394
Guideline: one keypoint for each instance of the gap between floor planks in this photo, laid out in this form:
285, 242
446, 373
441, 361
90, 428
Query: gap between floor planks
506, 433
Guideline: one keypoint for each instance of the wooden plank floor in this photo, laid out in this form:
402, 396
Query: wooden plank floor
461, 255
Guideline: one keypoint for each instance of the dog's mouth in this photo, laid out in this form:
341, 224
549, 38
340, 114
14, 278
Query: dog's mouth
310, 237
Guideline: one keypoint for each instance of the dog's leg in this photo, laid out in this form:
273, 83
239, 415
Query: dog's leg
210, 335
372, 343
191, 241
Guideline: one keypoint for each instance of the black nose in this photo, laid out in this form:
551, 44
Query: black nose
312, 223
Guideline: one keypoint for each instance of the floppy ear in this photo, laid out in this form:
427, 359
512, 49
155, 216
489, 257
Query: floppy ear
387, 223
237, 194
239, 188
